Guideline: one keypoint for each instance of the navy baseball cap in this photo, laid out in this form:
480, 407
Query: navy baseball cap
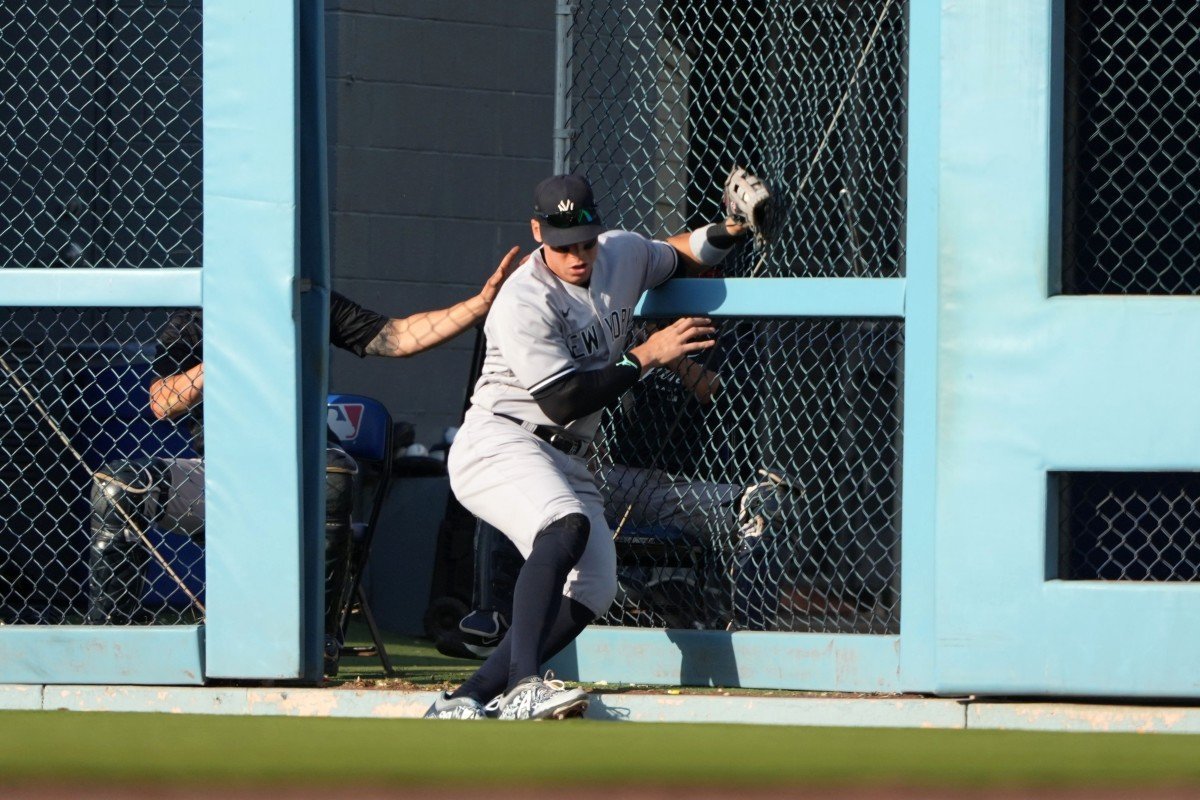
567, 210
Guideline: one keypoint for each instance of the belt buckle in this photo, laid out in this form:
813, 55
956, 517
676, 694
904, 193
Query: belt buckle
566, 444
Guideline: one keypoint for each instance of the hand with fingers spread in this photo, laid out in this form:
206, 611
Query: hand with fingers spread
507, 265
406, 336
682, 337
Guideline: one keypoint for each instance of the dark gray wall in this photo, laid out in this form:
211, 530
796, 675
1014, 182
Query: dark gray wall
440, 123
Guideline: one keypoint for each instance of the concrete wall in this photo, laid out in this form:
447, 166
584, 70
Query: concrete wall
440, 123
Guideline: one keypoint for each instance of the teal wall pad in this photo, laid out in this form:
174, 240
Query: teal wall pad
1032, 383
832, 712
1075, 718
918, 513
826, 662
254, 469
778, 297
21, 698
92, 654
167, 288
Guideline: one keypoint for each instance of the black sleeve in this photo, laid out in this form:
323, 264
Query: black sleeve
352, 327
179, 344
581, 393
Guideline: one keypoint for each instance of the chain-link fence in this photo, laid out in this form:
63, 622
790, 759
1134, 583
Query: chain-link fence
1131, 172
1131, 165
775, 506
100, 502
99, 167
100, 146
1129, 526
663, 97
758, 486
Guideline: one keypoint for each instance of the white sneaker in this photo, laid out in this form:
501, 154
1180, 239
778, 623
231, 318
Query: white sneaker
540, 698
457, 708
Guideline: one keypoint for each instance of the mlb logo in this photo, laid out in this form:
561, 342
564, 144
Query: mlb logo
344, 420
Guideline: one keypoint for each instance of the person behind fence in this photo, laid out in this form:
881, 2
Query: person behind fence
130, 495
557, 354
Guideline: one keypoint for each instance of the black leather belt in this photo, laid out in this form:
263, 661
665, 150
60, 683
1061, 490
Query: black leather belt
563, 442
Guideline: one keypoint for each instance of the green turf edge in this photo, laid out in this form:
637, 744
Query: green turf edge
123, 748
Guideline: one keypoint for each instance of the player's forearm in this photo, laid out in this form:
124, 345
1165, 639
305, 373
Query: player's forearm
583, 393
414, 334
697, 379
692, 268
705, 248
175, 394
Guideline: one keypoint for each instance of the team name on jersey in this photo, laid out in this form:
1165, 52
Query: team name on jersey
585, 342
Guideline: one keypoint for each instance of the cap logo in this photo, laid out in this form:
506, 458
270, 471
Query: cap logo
565, 205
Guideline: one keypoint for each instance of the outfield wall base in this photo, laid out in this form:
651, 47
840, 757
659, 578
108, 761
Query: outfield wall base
867, 712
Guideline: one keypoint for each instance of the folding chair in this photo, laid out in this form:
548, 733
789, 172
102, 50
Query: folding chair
663, 571
364, 427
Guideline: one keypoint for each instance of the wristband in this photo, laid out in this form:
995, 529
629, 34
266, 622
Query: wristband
711, 244
720, 238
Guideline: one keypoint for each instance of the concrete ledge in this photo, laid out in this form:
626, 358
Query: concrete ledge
811, 711
851, 712
297, 702
1089, 717
20, 698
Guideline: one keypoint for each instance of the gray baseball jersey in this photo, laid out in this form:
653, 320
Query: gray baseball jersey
541, 329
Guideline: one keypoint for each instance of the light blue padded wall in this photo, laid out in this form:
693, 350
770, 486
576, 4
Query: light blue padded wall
257, 606
1031, 383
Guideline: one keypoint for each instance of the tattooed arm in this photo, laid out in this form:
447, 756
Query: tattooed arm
418, 332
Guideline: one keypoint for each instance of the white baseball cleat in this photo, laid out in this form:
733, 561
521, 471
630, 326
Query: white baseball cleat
540, 698
445, 707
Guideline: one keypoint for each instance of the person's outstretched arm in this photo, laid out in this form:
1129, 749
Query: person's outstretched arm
406, 336
578, 394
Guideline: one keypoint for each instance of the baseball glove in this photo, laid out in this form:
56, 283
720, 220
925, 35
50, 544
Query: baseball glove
748, 200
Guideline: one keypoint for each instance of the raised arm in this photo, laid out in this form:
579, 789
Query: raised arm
410, 335
704, 248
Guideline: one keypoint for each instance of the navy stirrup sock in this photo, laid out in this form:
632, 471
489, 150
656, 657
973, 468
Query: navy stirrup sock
492, 678
537, 603
538, 593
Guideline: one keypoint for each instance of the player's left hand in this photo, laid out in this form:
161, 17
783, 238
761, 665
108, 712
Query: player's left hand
507, 266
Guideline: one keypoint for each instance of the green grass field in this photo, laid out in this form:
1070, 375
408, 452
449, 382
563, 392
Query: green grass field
150, 749
119, 749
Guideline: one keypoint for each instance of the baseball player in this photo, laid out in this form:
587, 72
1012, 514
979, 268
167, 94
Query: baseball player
558, 353
169, 492
643, 487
